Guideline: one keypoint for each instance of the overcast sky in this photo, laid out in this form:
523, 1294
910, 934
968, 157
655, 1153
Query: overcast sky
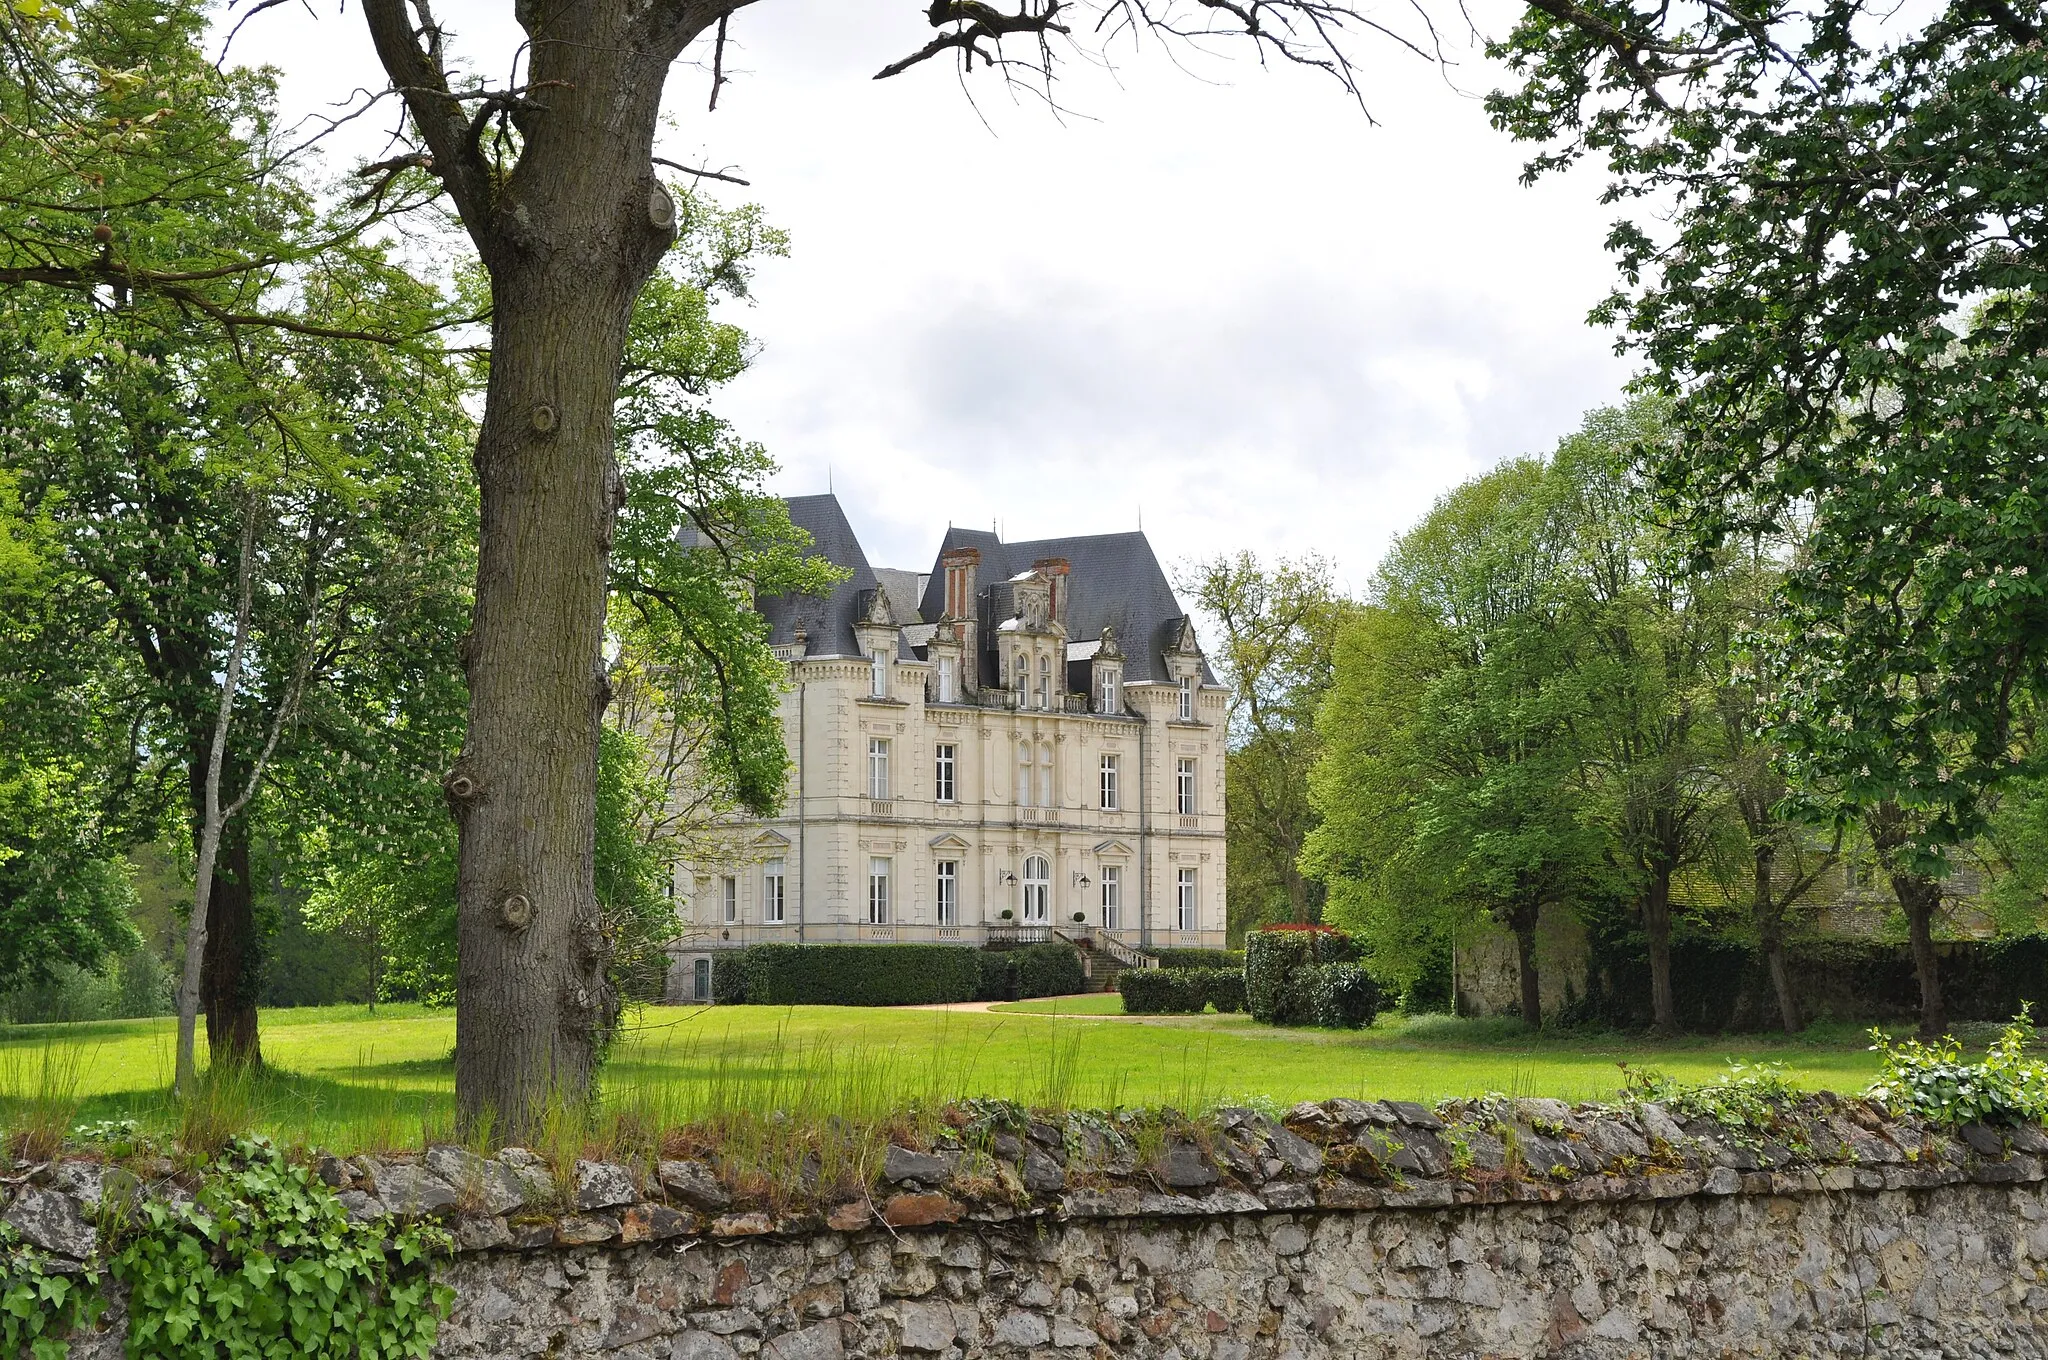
1214, 296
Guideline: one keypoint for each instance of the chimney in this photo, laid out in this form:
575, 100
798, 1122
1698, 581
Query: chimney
1055, 570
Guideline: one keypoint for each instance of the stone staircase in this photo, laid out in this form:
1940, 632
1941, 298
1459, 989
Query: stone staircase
1097, 961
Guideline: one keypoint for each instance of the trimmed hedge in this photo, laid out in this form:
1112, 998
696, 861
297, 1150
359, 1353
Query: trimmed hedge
1198, 958
1274, 956
997, 976
1049, 970
1180, 991
1337, 995
729, 977
860, 975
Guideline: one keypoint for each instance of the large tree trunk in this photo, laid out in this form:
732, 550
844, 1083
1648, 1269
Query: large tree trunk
232, 972
1657, 929
569, 236
1769, 917
1523, 922
1920, 896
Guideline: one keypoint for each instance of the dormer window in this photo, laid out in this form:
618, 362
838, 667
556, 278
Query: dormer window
1112, 692
880, 680
1022, 684
1187, 698
1044, 682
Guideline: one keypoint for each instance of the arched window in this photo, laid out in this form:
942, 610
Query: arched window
1023, 774
1045, 682
1045, 776
1037, 890
1022, 671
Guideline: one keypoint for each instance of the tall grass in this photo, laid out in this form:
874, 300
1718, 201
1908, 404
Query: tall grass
40, 1097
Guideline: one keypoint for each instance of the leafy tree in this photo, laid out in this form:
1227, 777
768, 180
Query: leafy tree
64, 895
1823, 188
1652, 641
1469, 785
1278, 629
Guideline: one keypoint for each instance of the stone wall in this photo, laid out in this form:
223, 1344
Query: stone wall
1347, 1229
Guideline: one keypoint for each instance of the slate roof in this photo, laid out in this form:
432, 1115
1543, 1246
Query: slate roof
827, 621
1115, 580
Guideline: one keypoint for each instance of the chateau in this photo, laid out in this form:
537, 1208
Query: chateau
1023, 742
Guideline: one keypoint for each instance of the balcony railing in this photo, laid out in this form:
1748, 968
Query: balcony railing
1122, 945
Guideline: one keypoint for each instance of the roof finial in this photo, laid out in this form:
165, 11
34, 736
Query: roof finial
828, 479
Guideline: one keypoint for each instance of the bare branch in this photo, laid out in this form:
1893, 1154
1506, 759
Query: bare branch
701, 173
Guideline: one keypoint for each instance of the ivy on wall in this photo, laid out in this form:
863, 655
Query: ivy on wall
261, 1262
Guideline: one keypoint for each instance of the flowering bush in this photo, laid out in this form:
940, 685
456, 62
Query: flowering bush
1933, 1080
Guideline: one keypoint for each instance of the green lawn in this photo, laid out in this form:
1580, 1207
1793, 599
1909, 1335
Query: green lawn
343, 1078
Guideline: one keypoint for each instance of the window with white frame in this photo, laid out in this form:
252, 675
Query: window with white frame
949, 681
1037, 890
878, 767
1111, 794
774, 902
1045, 776
1023, 774
942, 772
729, 899
949, 892
1184, 785
1112, 897
1184, 900
1022, 671
1187, 698
878, 891
1045, 682
1112, 692
879, 683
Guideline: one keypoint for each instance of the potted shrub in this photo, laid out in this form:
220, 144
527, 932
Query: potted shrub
1005, 913
1080, 918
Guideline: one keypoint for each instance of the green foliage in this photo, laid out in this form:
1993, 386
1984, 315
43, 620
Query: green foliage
1752, 1097
860, 975
1051, 969
1273, 961
1181, 991
134, 985
263, 1261
1934, 1082
1279, 624
1820, 193
729, 977
1199, 958
42, 1301
1162, 991
1336, 995
996, 978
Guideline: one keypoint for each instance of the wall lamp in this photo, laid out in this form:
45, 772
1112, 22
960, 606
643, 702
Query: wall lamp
1081, 879
1009, 877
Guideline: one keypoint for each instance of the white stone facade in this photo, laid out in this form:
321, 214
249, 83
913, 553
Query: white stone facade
947, 791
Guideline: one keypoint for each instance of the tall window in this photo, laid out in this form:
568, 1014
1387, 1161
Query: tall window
949, 892
1023, 683
878, 891
879, 683
773, 901
1023, 774
1111, 695
878, 767
942, 772
1045, 682
1110, 801
1037, 890
1187, 698
1184, 900
1184, 785
949, 681
729, 899
1112, 897
1045, 776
